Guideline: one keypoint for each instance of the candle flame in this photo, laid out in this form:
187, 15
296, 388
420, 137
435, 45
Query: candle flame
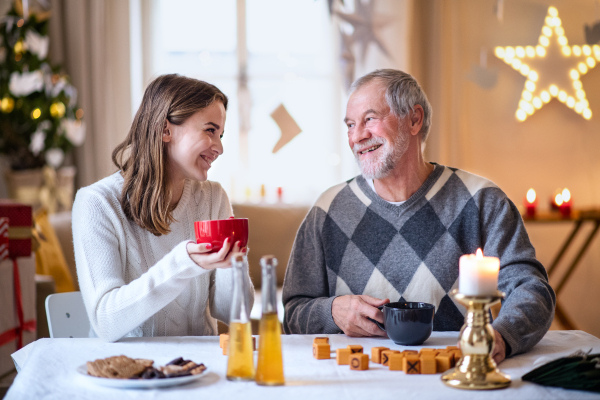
479, 254
530, 195
566, 195
558, 200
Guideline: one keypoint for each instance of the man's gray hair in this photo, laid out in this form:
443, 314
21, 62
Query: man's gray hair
402, 94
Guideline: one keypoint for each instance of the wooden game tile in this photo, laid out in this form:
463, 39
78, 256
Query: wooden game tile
451, 347
414, 352
411, 364
385, 356
359, 362
428, 364
428, 351
342, 356
225, 345
321, 340
321, 351
395, 362
222, 338
443, 362
450, 355
355, 348
376, 354
457, 354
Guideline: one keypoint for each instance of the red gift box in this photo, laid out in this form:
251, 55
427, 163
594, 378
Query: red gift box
20, 230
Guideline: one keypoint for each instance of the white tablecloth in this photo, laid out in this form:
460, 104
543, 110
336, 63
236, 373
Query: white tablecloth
47, 370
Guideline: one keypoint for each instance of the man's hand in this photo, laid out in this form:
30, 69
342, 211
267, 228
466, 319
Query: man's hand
499, 351
350, 314
221, 259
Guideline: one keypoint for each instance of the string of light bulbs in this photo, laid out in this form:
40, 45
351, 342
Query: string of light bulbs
570, 90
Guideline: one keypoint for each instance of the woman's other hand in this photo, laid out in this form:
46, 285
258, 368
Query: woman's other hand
200, 254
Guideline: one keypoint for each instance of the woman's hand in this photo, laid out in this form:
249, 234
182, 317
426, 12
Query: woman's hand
221, 259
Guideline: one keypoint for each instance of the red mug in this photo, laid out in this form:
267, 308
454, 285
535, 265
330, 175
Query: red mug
216, 231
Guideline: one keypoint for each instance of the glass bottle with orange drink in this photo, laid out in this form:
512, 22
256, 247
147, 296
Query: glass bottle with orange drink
269, 370
240, 364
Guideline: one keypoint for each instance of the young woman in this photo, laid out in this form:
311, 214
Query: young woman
139, 272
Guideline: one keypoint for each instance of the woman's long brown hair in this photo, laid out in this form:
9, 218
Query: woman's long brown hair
142, 157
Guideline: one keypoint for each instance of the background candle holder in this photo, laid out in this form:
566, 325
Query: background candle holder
476, 370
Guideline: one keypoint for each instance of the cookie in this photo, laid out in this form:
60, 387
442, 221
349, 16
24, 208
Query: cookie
120, 367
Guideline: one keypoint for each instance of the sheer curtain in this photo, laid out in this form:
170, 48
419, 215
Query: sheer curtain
91, 39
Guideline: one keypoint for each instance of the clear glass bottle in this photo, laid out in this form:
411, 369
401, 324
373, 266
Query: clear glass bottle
269, 370
240, 364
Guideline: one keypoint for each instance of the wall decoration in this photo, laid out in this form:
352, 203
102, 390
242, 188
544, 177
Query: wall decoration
481, 74
367, 26
288, 126
552, 68
592, 32
347, 59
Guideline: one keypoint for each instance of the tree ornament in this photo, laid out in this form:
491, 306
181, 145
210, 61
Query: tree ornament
19, 47
57, 110
7, 105
26, 83
37, 44
36, 113
37, 142
55, 157
74, 130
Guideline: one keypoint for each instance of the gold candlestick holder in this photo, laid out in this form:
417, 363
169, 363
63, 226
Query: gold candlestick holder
476, 370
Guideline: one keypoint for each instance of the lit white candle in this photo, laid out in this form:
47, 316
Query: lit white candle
478, 275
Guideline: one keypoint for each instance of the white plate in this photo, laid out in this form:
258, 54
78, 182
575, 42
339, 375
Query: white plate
138, 383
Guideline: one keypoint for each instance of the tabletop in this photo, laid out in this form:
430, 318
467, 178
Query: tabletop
48, 370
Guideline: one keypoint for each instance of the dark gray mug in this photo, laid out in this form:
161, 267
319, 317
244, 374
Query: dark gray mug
407, 323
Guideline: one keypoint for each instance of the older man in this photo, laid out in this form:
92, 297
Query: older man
397, 231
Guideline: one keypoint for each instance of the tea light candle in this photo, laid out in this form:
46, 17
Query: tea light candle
478, 275
530, 203
565, 206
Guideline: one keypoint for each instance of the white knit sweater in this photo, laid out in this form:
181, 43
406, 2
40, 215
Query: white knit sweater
136, 284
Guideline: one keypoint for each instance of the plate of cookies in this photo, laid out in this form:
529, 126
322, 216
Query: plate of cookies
138, 373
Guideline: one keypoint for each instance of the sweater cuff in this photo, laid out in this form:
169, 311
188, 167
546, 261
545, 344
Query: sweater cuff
189, 269
504, 329
327, 316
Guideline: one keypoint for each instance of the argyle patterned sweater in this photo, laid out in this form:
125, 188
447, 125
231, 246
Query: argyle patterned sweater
354, 242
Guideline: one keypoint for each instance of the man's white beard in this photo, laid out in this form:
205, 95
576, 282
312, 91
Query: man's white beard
387, 157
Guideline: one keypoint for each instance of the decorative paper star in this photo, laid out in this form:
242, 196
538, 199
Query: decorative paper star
366, 25
552, 68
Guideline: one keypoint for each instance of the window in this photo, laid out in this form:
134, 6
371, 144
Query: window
291, 59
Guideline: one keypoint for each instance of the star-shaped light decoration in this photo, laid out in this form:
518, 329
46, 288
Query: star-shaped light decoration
552, 68
366, 25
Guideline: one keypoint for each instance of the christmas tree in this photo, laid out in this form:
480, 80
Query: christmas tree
39, 118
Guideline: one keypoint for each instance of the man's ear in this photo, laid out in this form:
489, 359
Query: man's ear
416, 119
166, 137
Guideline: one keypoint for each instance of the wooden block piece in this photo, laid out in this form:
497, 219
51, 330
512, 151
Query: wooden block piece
395, 361
355, 348
450, 355
376, 354
225, 345
428, 351
413, 352
457, 355
359, 362
222, 338
443, 362
321, 340
321, 351
428, 364
451, 347
253, 342
411, 364
385, 356
342, 356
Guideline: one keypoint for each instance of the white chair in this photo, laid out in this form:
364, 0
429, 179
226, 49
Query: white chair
66, 315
